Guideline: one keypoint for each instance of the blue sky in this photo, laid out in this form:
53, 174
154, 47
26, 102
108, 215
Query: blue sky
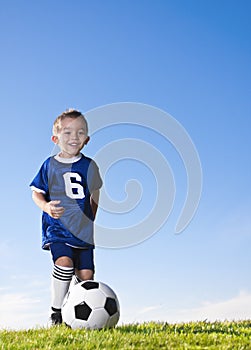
190, 59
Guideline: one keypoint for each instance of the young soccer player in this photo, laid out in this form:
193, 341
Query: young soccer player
66, 189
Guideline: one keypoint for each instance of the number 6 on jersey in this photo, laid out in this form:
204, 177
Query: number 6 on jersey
73, 190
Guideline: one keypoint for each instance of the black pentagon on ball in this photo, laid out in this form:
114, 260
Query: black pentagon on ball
82, 311
111, 306
90, 285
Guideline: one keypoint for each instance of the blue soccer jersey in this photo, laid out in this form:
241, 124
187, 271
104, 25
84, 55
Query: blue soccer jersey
71, 181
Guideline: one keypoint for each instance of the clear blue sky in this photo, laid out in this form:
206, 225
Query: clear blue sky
190, 59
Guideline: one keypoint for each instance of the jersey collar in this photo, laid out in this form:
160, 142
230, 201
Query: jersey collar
68, 160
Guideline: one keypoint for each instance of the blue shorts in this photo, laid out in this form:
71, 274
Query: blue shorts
82, 258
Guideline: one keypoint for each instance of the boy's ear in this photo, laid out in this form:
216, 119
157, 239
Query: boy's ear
87, 140
54, 139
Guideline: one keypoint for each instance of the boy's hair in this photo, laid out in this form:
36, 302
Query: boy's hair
69, 113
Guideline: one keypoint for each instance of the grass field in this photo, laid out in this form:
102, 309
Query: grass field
194, 335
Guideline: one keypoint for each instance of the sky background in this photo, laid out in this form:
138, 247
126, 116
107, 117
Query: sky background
190, 59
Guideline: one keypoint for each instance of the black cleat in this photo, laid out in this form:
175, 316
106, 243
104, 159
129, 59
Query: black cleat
55, 319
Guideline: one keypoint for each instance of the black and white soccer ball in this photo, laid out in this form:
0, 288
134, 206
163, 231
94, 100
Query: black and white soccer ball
92, 305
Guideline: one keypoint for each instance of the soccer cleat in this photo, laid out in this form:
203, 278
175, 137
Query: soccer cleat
55, 319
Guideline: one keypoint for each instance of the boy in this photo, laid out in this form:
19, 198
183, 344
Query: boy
66, 189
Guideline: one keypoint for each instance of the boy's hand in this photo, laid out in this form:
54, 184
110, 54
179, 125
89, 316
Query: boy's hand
53, 210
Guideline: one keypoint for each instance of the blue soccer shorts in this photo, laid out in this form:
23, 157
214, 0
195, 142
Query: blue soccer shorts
83, 259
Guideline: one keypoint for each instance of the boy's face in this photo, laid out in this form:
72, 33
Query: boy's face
72, 137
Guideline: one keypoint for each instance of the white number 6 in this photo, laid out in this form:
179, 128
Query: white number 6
73, 190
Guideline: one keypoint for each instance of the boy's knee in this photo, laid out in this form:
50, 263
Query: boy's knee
64, 261
84, 275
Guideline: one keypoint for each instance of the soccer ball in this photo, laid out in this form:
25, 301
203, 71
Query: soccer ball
92, 305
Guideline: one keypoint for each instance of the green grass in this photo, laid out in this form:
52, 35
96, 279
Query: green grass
193, 335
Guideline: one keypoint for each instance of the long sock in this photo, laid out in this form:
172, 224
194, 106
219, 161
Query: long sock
61, 278
75, 280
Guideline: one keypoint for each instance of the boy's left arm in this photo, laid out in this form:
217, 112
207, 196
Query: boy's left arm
94, 202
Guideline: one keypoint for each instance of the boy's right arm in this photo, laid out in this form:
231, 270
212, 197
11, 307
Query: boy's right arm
50, 208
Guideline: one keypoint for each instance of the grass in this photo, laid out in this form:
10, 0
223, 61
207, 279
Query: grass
193, 335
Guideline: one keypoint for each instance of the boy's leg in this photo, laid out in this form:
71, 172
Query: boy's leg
63, 271
60, 281
84, 264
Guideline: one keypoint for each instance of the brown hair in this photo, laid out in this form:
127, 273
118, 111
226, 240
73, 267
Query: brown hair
69, 113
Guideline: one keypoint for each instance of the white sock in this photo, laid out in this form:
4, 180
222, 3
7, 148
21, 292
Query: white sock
75, 280
61, 278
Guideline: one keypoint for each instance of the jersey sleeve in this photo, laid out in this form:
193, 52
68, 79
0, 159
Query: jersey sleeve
40, 181
94, 180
